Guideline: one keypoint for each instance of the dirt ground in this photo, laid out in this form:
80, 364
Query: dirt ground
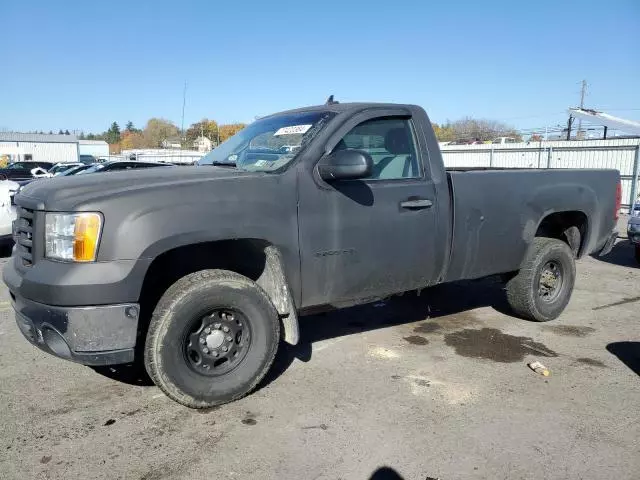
435, 386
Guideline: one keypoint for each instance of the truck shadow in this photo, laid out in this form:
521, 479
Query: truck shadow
439, 301
628, 353
129, 373
621, 254
436, 302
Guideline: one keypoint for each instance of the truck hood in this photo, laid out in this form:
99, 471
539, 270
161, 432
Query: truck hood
74, 192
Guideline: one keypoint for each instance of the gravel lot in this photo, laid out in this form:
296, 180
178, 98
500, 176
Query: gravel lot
434, 386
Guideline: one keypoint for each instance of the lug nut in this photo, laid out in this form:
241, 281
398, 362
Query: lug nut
224, 349
217, 326
225, 329
202, 341
206, 366
205, 350
207, 330
229, 338
214, 353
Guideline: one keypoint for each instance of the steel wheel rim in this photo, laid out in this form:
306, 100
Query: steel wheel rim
550, 281
217, 343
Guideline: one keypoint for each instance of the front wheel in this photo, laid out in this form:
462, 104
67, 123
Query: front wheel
638, 253
212, 338
542, 288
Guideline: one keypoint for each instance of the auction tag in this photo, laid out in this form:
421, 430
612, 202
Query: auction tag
292, 129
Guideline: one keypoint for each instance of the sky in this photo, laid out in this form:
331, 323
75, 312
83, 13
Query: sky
82, 65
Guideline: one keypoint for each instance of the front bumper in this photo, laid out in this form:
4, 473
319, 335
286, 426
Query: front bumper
98, 335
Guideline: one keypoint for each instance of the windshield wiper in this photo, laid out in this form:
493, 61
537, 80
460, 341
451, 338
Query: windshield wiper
222, 164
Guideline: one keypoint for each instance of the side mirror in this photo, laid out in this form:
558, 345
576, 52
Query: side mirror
345, 165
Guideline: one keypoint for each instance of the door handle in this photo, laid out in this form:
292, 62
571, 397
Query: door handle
416, 204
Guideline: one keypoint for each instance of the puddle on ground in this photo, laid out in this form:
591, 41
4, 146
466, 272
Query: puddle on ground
449, 322
570, 330
492, 344
592, 362
416, 340
427, 327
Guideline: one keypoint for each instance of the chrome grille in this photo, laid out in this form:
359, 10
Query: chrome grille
23, 233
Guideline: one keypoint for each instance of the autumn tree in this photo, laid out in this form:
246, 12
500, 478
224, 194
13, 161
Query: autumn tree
444, 133
481, 129
131, 140
157, 130
206, 127
230, 130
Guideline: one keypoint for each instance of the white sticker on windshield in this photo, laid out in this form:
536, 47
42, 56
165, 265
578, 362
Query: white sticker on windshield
292, 129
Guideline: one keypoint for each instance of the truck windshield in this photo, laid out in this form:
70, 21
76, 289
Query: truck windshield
270, 143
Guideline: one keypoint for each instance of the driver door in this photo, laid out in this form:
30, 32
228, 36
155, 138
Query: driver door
362, 239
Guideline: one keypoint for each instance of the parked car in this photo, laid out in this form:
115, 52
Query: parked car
115, 166
88, 159
467, 141
74, 170
200, 268
504, 140
23, 170
633, 233
8, 189
61, 167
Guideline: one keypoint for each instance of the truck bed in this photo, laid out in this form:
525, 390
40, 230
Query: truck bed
497, 212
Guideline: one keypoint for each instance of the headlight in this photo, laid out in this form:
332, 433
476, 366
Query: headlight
72, 237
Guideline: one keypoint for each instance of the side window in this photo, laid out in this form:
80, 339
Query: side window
390, 143
120, 166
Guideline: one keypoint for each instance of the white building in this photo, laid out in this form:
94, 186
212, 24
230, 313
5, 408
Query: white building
95, 148
173, 143
203, 144
38, 147
163, 155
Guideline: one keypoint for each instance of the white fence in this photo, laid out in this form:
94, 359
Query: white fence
187, 157
620, 154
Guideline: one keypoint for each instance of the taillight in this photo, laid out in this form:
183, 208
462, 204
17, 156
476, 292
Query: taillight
616, 214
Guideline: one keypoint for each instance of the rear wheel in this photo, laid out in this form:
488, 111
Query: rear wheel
638, 253
212, 338
542, 288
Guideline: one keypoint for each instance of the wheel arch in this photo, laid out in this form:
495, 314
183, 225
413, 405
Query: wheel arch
570, 226
256, 259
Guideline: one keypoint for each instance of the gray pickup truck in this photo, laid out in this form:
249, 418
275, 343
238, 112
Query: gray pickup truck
202, 271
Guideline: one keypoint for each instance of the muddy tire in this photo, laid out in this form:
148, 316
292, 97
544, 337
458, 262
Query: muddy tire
212, 338
541, 290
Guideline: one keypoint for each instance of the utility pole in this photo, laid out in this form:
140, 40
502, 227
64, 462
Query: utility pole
583, 91
184, 100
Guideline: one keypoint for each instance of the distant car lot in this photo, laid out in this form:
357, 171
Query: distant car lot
431, 386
